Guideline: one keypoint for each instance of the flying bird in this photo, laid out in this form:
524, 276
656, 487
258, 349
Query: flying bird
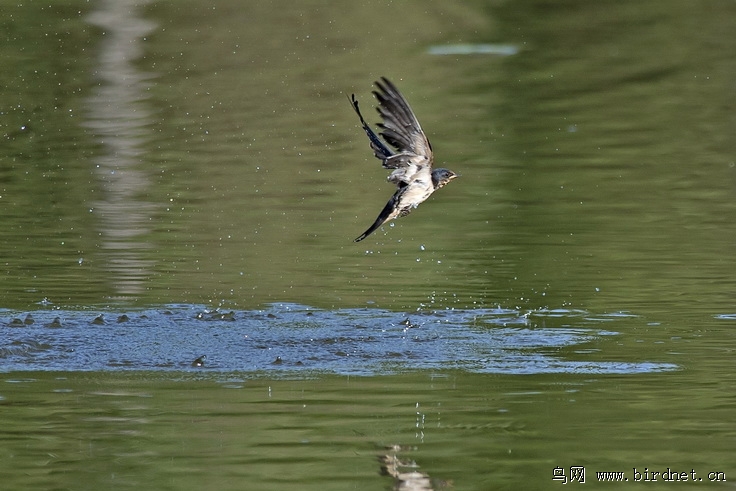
410, 161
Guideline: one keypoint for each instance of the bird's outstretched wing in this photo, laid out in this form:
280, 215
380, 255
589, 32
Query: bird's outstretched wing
401, 130
390, 209
400, 126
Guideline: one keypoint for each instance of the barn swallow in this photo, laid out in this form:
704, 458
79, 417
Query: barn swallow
411, 162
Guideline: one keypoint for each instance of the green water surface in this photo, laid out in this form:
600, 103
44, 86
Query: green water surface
205, 153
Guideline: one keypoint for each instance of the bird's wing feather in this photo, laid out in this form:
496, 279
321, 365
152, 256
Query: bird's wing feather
400, 126
404, 200
389, 212
379, 149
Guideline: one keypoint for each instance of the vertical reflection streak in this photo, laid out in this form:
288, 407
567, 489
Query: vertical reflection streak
119, 118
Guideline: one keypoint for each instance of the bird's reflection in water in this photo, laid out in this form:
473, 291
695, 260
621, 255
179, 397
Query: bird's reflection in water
405, 472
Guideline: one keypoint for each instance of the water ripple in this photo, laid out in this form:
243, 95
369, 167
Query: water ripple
290, 339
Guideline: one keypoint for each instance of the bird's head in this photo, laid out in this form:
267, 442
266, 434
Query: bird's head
440, 177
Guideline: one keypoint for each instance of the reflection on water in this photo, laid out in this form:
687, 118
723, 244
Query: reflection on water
406, 475
474, 49
119, 117
209, 430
